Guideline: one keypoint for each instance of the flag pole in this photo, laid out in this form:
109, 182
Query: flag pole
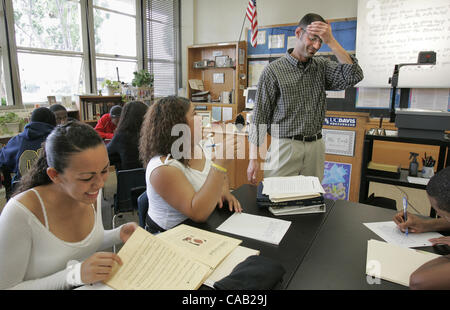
243, 22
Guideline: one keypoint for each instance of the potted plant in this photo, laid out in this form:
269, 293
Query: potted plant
112, 86
10, 123
143, 80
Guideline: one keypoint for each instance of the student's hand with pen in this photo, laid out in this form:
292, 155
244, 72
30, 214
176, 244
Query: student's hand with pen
414, 223
99, 267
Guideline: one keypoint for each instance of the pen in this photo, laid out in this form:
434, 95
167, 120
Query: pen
405, 214
213, 145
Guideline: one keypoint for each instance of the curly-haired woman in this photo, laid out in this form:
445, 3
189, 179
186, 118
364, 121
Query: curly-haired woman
179, 184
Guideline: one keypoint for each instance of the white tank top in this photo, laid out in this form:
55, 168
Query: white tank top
50, 254
159, 210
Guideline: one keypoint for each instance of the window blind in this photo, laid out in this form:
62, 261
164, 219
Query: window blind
162, 44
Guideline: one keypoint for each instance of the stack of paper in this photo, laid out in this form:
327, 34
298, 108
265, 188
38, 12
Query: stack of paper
291, 195
290, 188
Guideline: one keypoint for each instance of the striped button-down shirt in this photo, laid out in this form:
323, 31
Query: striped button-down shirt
292, 95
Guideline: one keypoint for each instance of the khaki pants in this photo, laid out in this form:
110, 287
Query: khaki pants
288, 157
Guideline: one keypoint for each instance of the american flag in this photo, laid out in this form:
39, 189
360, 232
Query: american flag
251, 15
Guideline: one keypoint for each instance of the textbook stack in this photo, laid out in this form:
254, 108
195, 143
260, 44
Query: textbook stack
291, 195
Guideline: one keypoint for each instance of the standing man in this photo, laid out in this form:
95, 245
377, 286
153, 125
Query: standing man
290, 102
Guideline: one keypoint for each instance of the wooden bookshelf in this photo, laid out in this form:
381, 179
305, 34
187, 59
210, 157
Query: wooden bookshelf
91, 108
234, 76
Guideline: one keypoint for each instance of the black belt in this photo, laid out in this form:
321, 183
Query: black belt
303, 138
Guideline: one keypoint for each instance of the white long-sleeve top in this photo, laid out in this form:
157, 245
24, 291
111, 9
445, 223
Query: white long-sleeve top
31, 257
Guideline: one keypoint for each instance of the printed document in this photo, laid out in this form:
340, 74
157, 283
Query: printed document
150, 263
257, 227
392, 234
206, 247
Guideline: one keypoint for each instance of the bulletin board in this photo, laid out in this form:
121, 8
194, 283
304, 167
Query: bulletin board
344, 30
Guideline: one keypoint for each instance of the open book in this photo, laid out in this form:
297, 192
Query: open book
179, 259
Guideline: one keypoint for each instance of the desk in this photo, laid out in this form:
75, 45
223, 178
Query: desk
337, 258
292, 248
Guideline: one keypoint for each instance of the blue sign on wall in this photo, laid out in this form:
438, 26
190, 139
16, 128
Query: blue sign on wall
340, 121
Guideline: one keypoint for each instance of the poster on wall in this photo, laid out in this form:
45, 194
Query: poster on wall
336, 180
339, 142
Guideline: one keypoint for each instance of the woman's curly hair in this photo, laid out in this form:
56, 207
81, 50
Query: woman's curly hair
161, 117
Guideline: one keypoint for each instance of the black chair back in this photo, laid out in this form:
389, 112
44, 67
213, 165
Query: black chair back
130, 184
142, 208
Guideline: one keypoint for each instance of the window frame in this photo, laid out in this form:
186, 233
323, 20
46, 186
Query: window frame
88, 54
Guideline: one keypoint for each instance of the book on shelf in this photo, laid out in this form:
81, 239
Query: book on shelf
182, 258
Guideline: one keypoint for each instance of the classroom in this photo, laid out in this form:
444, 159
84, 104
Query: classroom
225, 145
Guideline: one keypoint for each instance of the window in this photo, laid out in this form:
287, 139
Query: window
69, 47
162, 37
116, 56
3, 100
49, 48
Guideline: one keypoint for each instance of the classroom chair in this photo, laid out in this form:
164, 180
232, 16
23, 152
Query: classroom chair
130, 184
142, 202
382, 202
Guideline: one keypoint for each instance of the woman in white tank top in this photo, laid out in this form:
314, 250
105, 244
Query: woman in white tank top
182, 182
51, 230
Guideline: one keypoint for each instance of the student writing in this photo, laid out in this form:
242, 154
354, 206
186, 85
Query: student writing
436, 273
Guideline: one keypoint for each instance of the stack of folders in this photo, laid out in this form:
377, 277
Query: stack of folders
291, 195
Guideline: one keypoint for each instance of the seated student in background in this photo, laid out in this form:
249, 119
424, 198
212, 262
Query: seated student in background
22, 150
51, 230
123, 150
107, 124
60, 113
436, 273
180, 186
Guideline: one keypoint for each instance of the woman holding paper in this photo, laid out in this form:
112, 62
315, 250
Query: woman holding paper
51, 230
182, 182
436, 273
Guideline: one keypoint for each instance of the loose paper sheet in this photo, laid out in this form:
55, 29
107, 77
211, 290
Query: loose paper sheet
149, 263
393, 263
392, 234
257, 227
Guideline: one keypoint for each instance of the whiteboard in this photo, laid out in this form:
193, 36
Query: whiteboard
391, 32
